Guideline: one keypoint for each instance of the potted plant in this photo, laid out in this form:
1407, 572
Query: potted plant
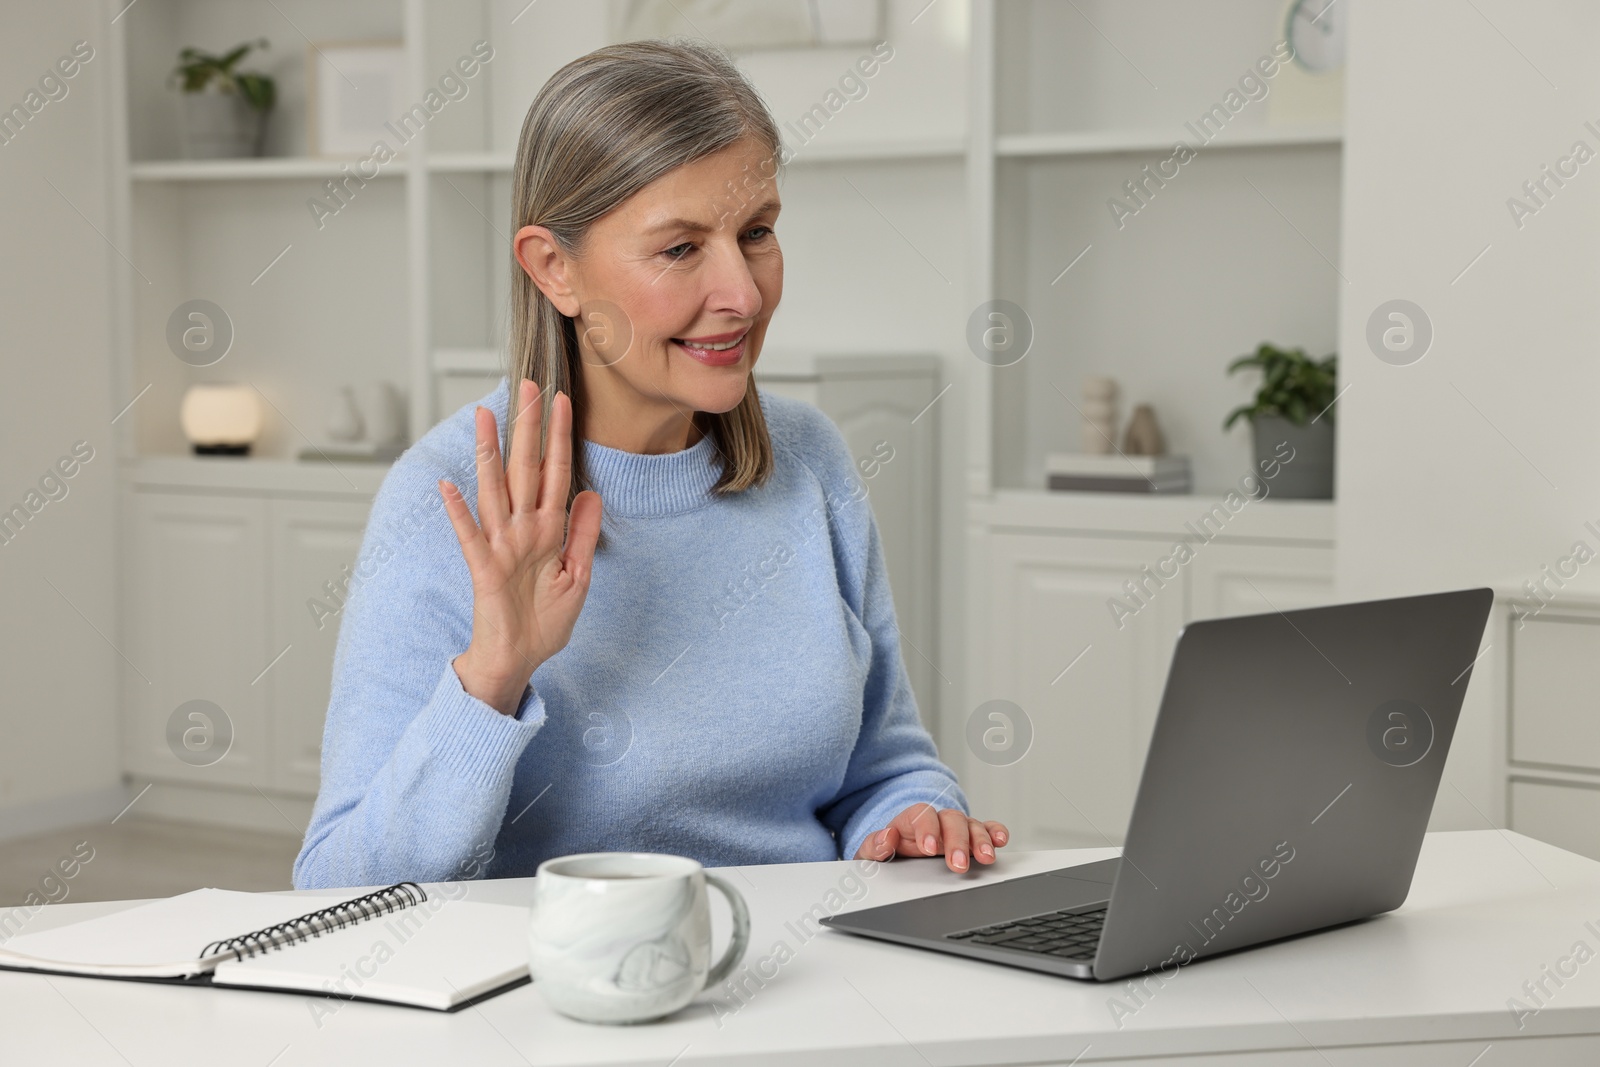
1291, 419
224, 111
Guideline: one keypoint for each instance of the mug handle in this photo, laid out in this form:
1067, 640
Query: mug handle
741, 932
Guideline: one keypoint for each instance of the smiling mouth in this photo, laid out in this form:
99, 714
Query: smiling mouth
720, 346
715, 354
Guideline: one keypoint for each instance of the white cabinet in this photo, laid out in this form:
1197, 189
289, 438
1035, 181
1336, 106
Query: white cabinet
222, 582
196, 625
1555, 692
1075, 614
1543, 662
1089, 691
1235, 579
314, 545
882, 406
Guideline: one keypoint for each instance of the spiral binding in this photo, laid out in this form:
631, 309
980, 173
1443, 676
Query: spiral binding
348, 913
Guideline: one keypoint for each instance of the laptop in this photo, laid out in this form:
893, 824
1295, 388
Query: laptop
1289, 779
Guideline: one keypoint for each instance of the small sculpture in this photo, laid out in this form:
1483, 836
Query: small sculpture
1099, 415
1143, 436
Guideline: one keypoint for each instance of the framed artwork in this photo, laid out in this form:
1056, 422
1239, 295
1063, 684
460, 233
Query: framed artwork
354, 89
745, 25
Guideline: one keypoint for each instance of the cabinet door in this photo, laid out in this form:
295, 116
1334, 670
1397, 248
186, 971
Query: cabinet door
1231, 579
196, 626
1087, 678
1555, 687
896, 461
315, 545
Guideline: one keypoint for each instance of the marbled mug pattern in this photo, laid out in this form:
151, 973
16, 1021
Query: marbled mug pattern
624, 937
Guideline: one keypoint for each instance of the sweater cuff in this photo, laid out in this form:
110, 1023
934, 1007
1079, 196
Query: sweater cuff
472, 741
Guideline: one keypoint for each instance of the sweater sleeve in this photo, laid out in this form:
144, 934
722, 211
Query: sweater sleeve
416, 772
895, 763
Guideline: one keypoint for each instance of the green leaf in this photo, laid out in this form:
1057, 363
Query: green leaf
1293, 385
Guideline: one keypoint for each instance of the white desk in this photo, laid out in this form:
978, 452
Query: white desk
1427, 984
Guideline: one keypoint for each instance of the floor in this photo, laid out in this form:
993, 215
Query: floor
142, 858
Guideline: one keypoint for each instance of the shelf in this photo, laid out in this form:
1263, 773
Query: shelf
1105, 142
256, 169
1159, 516
470, 162
842, 152
234, 474
886, 152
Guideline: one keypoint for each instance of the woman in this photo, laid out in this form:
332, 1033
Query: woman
732, 689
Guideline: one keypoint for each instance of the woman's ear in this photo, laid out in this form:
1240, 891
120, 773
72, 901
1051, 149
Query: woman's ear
548, 265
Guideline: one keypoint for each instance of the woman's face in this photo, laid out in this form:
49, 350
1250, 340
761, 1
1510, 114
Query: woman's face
672, 296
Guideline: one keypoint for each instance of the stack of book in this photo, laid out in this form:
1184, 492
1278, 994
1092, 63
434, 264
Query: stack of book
1114, 473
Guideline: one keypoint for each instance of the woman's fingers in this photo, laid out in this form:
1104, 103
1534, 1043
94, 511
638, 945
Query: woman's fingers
473, 546
957, 843
583, 532
557, 474
522, 471
982, 846
922, 830
492, 509
881, 845
919, 827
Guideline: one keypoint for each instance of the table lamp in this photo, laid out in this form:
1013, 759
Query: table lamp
220, 418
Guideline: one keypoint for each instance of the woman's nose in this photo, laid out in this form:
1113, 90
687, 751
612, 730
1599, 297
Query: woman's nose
733, 287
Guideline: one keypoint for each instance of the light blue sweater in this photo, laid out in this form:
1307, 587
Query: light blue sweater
733, 690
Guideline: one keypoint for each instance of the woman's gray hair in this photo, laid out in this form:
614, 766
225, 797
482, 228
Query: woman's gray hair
603, 127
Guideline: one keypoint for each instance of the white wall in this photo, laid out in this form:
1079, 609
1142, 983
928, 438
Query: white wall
1477, 463
58, 723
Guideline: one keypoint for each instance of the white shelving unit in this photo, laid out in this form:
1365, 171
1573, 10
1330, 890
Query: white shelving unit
239, 231
1069, 102
1023, 115
406, 281
1239, 247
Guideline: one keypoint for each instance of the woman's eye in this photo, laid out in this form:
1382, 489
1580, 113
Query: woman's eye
759, 231
678, 251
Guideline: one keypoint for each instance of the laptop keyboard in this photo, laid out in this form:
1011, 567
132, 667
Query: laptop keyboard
1071, 934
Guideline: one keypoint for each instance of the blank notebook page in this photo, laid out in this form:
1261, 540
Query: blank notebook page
163, 931
432, 959
434, 954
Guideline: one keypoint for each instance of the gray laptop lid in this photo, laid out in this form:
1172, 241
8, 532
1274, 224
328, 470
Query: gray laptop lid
1290, 776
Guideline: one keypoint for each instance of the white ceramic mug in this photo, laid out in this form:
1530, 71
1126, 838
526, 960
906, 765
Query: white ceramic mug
625, 937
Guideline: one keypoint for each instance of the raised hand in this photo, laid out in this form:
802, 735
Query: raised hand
527, 589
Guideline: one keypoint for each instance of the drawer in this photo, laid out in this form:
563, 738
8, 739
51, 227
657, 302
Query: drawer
1555, 693
1565, 815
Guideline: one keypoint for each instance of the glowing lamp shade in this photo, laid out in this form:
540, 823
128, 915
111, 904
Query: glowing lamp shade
220, 418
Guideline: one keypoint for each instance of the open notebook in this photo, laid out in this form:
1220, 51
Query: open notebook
398, 945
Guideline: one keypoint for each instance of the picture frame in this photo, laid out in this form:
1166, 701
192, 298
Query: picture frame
753, 25
354, 89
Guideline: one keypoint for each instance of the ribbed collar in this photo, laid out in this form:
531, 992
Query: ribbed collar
636, 486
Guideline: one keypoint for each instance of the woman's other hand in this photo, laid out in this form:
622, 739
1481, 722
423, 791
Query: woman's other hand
921, 831
526, 590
